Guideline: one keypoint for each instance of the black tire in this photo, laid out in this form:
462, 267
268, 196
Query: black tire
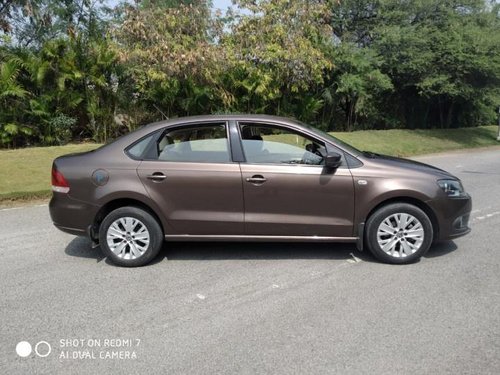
153, 228
399, 257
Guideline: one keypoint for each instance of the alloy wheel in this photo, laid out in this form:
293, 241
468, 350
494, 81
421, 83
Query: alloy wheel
128, 238
400, 235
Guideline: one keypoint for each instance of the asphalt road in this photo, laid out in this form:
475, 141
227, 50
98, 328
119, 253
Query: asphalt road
255, 308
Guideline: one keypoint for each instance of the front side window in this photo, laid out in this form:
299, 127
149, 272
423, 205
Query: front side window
198, 143
266, 144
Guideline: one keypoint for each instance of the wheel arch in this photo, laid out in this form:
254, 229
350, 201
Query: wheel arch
415, 202
118, 203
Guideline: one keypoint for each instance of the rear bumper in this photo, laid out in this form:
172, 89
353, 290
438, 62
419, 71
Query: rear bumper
70, 215
73, 231
453, 216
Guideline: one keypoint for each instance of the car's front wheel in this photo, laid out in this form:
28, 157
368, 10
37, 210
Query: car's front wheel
130, 236
399, 233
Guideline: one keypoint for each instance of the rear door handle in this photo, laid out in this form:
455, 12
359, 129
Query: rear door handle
157, 177
256, 179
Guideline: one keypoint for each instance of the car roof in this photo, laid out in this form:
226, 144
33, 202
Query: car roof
221, 117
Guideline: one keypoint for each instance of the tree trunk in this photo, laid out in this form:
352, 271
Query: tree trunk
347, 115
426, 115
441, 115
353, 112
449, 117
350, 114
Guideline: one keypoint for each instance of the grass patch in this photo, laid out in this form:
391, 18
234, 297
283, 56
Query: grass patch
23, 196
26, 172
399, 142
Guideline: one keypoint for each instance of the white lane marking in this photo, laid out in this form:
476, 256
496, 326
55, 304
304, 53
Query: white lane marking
275, 286
354, 259
23, 207
487, 216
294, 282
201, 296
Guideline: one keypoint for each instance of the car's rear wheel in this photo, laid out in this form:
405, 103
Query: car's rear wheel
130, 236
399, 233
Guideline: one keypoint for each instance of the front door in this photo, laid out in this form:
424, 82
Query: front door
287, 191
195, 182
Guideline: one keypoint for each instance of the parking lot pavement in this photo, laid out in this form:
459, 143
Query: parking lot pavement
208, 308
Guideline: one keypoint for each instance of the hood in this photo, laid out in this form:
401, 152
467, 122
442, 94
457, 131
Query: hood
407, 164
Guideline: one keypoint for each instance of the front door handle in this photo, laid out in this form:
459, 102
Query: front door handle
157, 177
256, 179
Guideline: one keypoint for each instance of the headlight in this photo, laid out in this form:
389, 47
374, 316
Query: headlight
452, 188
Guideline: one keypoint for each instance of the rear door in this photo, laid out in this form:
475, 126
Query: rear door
193, 179
287, 190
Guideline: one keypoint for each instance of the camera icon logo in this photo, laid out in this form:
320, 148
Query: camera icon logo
42, 349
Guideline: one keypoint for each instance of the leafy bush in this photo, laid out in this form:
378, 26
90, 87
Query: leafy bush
60, 130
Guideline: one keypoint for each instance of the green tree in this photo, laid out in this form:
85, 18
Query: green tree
12, 97
275, 57
444, 60
170, 59
356, 84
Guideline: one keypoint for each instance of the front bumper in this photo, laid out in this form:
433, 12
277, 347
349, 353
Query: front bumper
452, 216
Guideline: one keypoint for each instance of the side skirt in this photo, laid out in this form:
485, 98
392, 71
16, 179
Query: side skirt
258, 238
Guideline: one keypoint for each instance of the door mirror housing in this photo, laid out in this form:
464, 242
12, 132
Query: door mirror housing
333, 160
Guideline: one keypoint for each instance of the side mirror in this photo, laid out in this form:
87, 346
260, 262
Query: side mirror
333, 160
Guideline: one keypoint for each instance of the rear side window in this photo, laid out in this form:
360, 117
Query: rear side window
199, 143
137, 151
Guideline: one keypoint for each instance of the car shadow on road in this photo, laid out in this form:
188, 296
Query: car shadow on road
441, 249
81, 247
261, 250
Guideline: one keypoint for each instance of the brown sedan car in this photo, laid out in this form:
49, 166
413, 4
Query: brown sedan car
251, 178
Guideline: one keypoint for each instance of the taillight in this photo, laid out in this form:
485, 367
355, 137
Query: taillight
59, 183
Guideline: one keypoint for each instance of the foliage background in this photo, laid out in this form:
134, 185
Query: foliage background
78, 69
